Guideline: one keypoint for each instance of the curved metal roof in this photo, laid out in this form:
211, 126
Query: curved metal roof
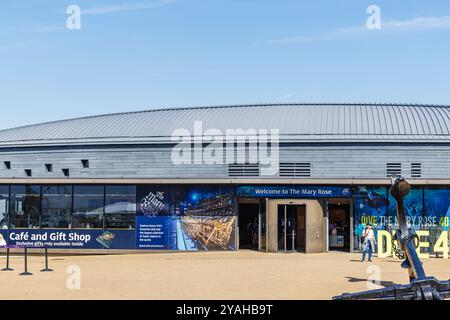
296, 122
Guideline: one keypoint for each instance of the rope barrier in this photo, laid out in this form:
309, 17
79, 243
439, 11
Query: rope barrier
25, 255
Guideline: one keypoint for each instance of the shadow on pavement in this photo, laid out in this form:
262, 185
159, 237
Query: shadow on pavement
396, 261
381, 283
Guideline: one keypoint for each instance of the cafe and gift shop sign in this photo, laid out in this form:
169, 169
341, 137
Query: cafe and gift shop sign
68, 239
294, 191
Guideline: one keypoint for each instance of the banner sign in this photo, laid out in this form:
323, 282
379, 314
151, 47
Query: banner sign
424, 208
294, 191
427, 212
186, 218
154, 200
68, 239
168, 217
158, 233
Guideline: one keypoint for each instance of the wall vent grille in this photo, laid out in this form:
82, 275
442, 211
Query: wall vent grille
393, 169
416, 170
243, 170
295, 169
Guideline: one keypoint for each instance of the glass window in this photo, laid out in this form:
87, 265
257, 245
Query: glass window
88, 207
120, 206
25, 206
56, 206
4, 204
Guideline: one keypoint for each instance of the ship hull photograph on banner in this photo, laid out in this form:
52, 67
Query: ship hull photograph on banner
186, 218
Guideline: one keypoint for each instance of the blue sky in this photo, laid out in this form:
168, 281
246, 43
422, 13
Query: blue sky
139, 54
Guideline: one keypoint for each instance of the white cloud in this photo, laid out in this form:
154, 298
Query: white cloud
419, 23
133, 6
416, 24
143, 5
18, 46
44, 29
336, 34
286, 97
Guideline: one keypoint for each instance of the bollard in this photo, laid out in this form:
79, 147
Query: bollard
7, 261
26, 273
47, 269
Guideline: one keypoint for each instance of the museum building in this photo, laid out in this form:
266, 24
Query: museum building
269, 177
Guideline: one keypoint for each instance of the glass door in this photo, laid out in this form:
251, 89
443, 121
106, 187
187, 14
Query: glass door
262, 225
287, 228
291, 228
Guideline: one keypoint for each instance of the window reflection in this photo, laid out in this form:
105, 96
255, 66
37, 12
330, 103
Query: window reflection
120, 206
25, 206
67, 206
56, 206
88, 207
4, 203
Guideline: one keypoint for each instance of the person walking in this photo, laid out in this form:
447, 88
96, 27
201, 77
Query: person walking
368, 242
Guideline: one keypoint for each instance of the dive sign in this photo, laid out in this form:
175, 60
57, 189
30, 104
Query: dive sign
440, 246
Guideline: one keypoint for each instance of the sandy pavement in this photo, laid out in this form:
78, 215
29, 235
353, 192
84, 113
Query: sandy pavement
204, 275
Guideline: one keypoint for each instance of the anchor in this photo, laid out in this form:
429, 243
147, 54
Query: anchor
421, 286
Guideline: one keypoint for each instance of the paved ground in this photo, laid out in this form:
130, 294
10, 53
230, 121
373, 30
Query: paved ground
210, 275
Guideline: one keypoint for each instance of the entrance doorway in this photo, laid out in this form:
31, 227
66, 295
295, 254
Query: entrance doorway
339, 227
252, 224
291, 228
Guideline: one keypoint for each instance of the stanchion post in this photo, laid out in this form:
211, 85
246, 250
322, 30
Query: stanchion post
46, 269
7, 261
26, 273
